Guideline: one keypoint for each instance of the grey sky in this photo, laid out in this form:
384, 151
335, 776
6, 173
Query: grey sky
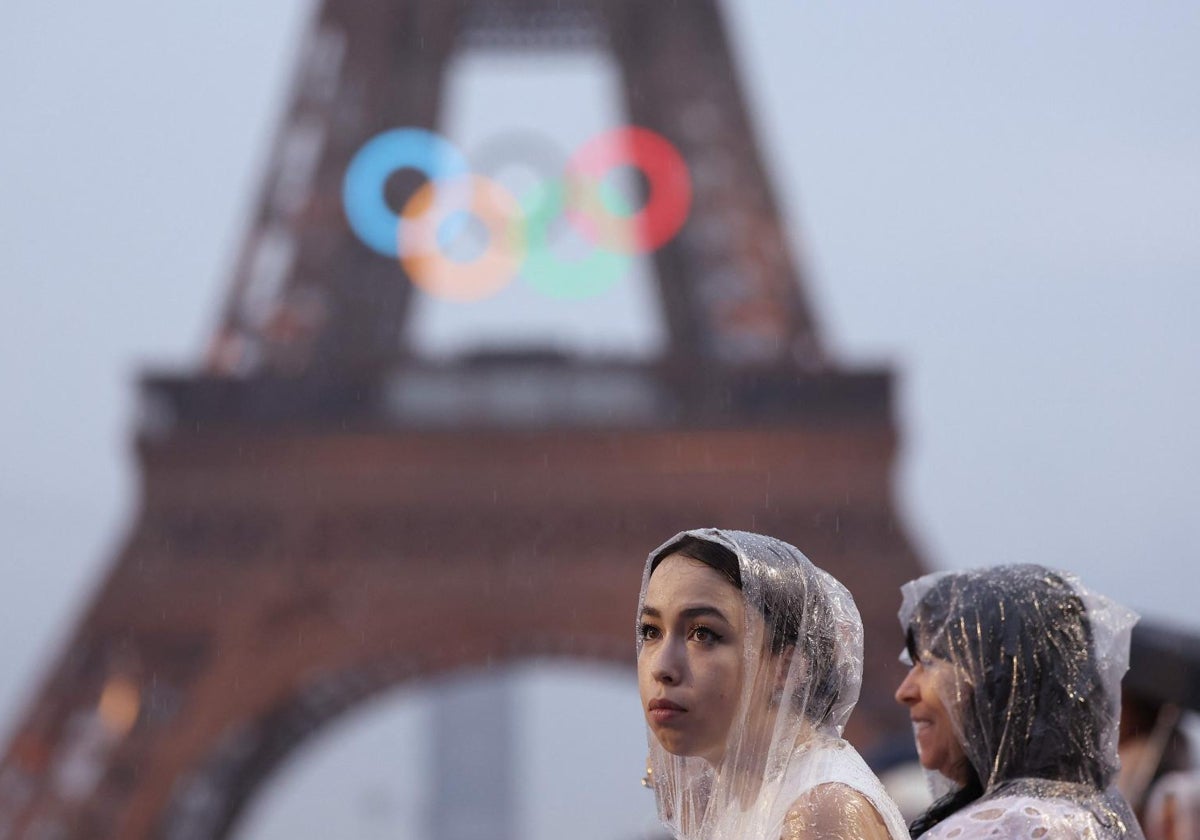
1003, 201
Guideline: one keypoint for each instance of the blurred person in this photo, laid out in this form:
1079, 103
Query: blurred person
1173, 809
749, 664
1152, 746
1014, 696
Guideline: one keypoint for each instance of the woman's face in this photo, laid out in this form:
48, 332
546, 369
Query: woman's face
929, 684
690, 665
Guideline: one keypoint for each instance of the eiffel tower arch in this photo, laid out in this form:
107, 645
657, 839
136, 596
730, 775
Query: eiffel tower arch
319, 496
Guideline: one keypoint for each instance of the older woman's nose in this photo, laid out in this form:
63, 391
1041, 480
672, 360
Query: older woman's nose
909, 691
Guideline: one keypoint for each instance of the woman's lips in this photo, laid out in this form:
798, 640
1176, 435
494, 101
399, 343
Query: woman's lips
664, 711
923, 734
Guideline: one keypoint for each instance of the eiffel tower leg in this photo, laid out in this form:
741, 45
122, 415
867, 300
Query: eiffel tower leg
727, 280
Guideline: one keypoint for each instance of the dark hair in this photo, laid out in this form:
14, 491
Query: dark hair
709, 553
1036, 705
785, 611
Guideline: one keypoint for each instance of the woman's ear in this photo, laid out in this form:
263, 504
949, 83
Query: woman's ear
781, 663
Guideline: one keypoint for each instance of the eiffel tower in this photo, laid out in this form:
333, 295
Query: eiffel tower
319, 493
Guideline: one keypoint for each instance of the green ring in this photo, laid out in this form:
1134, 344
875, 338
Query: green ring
550, 274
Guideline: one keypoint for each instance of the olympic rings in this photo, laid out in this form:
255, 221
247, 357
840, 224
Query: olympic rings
518, 232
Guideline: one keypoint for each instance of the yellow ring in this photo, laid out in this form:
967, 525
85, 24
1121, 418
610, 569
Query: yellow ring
427, 264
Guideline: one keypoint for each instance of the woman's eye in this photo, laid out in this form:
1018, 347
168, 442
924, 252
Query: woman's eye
648, 631
705, 635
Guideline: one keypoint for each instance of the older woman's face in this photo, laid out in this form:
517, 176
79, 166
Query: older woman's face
931, 684
690, 665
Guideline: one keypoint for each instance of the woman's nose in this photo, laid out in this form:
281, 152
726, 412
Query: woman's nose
667, 665
908, 692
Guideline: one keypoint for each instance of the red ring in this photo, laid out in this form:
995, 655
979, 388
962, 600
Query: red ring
670, 190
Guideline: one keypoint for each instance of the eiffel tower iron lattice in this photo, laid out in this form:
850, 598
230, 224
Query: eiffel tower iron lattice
318, 493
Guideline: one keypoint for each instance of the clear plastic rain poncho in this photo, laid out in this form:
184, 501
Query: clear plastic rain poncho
1028, 665
785, 771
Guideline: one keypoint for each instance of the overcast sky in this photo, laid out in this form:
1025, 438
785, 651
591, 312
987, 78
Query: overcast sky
1001, 201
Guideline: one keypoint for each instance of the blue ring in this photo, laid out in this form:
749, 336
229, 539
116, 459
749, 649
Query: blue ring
367, 210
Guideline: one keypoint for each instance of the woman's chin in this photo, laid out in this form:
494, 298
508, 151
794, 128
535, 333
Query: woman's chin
675, 746
681, 748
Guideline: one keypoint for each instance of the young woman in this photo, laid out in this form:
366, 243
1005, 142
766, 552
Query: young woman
749, 664
1014, 700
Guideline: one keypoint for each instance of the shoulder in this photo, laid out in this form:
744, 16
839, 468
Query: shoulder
1018, 817
826, 759
834, 810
